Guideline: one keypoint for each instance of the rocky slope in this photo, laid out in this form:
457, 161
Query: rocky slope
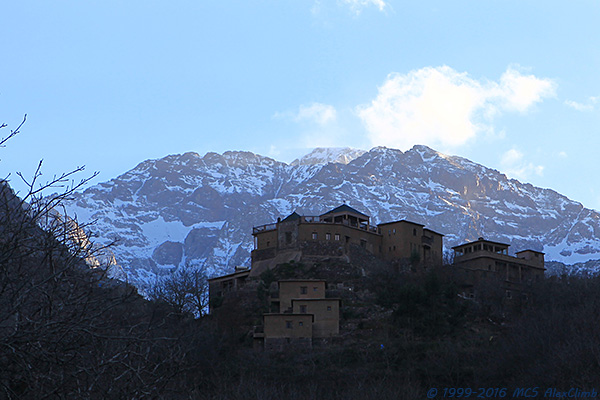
199, 210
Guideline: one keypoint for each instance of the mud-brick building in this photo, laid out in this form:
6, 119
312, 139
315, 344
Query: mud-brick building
331, 234
219, 286
301, 312
488, 260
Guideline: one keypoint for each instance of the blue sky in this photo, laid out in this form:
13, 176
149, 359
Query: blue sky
513, 85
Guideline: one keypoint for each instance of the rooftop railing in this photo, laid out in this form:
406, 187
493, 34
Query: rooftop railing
263, 228
317, 219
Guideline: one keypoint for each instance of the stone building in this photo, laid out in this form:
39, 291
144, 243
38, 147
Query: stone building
300, 313
331, 234
488, 260
219, 286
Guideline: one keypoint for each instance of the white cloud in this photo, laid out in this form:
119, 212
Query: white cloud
274, 151
589, 106
440, 106
316, 113
519, 92
358, 5
515, 166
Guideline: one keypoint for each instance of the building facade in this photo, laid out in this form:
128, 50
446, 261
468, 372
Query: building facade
331, 234
300, 313
488, 260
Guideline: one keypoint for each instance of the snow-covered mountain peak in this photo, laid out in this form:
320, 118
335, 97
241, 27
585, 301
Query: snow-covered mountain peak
425, 152
321, 155
245, 158
187, 209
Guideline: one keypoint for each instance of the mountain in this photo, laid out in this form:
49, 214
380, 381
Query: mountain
320, 155
199, 210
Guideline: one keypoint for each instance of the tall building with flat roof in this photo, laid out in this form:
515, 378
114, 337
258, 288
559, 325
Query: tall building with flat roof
331, 234
485, 259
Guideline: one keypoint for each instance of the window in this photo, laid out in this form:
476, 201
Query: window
508, 294
288, 237
268, 243
302, 309
303, 289
394, 248
394, 231
314, 235
315, 288
328, 308
337, 236
328, 236
300, 323
289, 325
414, 232
363, 243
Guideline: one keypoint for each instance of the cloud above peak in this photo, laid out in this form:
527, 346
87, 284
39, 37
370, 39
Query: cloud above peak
314, 113
358, 5
439, 106
355, 6
515, 166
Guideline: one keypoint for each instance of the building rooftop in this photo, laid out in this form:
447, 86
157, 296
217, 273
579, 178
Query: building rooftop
292, 217
402, 220
343, 209
481, 240
533, 251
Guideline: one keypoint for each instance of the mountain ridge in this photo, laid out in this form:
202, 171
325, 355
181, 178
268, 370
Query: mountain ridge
197, 210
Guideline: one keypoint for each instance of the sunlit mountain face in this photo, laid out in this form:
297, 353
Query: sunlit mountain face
198, 211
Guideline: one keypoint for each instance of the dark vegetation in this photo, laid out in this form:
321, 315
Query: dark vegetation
68, 331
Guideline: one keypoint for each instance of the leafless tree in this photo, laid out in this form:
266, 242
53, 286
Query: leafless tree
186, 290
66, 330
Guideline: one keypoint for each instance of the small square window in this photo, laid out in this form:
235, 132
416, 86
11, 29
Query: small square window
328, 308
315, 288
303, 289
337, 236
289, 324
328, 236
314, 235
300, 323
302, 309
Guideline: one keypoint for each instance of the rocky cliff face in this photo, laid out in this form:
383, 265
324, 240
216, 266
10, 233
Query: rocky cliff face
199, 210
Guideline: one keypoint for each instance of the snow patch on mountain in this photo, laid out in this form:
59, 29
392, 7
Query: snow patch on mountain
188, 209
320, 155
